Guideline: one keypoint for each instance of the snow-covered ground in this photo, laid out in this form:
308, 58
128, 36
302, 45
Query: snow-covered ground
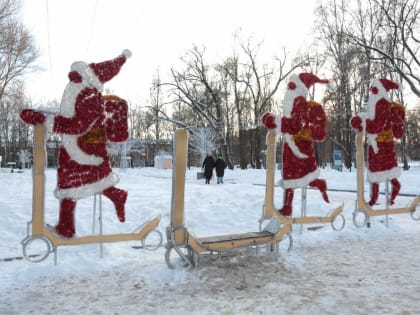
354, 271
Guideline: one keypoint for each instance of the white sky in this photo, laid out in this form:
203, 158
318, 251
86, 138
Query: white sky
157, 32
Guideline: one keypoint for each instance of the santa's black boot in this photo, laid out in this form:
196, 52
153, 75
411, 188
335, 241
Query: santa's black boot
65, 226
395, 189
288, 201
321, 184
118, 197
374, 193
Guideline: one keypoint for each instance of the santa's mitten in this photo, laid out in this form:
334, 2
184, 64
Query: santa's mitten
319, 132
356, 123
32, 117
117, 120
268, 120
317, 121
397, 120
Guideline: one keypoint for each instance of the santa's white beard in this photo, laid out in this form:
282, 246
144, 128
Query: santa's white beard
68, 100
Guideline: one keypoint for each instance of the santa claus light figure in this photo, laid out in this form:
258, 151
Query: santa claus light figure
86, 121
383, 121
302, 123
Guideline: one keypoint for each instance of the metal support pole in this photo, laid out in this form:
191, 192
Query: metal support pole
94, 215
101, 247
99, 220
303, 206
387, 200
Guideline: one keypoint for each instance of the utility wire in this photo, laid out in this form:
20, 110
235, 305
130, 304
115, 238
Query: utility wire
92, 26
48, 35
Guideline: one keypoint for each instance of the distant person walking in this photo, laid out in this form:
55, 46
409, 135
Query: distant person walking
220, 169
208, 165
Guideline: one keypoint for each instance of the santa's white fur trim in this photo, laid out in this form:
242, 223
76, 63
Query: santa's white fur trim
382, 176
68, 100
88, 75
278, 123
126, 53
87, 190
292, 145
299, 182
374, 98
291, 95
371, 140
76, 154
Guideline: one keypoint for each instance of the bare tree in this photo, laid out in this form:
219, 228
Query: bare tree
400, 31
17, 51
156, 117
262, 82
14, 134
238, 117
197, 88
25, 157
125, 149
387, 36
332, 25
203, 142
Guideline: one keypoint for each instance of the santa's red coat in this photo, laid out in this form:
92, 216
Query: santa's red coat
88, 127
387, 125
306, 125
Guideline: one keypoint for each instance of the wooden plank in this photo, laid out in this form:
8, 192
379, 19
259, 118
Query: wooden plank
38, 179
269, 209
233, 237
361, 203
106, 238
228, 245
178, 182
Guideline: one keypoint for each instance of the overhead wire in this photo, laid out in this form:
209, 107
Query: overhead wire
48, 35
92, 25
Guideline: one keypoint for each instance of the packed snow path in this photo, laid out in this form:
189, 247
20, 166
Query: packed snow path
341, 275
354, 271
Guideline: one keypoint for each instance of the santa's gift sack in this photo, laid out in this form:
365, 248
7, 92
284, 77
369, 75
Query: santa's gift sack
116, 122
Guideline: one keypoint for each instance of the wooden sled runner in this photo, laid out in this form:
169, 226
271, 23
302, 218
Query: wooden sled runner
189, 247
41, 239
335, 217
363, 211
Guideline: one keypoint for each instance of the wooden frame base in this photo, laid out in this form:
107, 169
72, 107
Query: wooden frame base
269, 210
38, 229
178, 236
361, 204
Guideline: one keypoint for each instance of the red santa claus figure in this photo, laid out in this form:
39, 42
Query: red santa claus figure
86, 121
302, 123
383, 121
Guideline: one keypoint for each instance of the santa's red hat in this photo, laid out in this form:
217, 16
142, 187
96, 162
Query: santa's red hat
388, 84
378, 90
309, 79
96, 74
298, 87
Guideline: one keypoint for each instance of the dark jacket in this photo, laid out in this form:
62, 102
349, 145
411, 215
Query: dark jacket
220, 167
208, 165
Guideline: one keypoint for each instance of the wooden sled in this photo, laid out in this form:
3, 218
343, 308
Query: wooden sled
39, 236
363, 211
189, 247
335, 217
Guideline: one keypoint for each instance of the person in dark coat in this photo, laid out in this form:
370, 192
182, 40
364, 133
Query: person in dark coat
220, 169
208, 165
